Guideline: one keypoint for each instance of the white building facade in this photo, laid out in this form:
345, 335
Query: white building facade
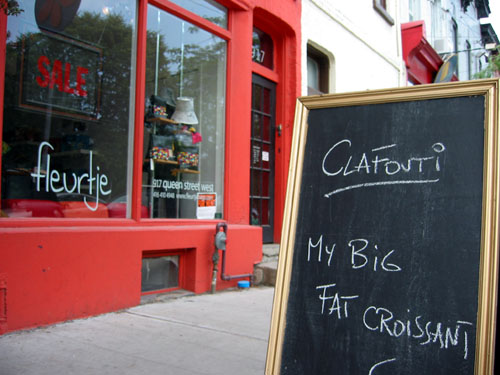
351, 46
453, 27
365, 44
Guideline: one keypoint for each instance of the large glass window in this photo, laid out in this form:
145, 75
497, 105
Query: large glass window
67, 109
208, 9
185, 119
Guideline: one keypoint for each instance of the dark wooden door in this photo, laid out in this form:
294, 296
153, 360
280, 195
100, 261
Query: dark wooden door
262, 156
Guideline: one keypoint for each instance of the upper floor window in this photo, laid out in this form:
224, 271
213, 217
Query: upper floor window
414, 10
381, 7
318, 68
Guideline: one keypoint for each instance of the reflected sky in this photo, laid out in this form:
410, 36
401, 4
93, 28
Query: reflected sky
125, 8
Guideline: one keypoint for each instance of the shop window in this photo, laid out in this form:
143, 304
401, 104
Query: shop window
185, 119
318, 67
381, 7
159, 272
208, 9
262, 48
67, 118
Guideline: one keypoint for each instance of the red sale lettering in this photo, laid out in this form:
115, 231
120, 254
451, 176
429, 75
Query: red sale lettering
67, 72
80, 81
43, 61
56, 76
61, 79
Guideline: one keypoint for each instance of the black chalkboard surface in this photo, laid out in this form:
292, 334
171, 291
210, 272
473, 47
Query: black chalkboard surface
389, 254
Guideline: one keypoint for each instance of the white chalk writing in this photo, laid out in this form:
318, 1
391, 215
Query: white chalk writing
380, 364
336, 299
382, 320
363, 254
368, 255
383, 167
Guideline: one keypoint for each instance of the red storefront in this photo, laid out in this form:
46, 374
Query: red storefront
129, 131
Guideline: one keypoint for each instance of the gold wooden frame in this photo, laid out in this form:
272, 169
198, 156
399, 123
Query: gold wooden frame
488, 271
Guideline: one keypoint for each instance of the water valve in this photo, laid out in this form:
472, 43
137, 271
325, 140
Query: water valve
220, 236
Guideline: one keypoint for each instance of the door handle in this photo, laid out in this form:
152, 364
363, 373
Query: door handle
279, 128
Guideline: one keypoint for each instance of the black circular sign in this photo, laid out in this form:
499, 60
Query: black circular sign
55, 15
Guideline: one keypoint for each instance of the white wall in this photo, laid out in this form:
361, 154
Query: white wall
364, 49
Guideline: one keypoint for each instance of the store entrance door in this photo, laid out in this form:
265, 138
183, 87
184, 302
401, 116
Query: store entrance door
262, 156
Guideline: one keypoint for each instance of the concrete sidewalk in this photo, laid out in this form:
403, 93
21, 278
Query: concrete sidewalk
224, 333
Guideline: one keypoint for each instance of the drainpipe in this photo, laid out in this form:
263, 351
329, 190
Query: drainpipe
220, 244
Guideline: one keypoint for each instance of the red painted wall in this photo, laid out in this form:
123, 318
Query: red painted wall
3, 46
56, 274
281, 20
239, 86
55, 270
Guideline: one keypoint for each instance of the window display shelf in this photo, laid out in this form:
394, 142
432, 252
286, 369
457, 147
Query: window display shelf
161, 161
180, 170
22, 171
73, 153
172, 162
161, 120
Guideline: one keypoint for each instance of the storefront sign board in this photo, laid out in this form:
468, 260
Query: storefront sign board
390, 248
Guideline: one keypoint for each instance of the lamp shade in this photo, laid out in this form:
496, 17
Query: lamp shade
184, 111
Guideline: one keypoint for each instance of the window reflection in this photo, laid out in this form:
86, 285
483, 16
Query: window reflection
208, 9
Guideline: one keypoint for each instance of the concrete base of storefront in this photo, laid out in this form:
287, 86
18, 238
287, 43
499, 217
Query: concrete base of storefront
220, 333
265, 271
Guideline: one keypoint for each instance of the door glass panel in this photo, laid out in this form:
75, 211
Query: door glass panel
256, 97
256, 183
256, 154
256, 126
264, 214
266, 101
67, 117
266, 156
255, 213
265, 184
266, 128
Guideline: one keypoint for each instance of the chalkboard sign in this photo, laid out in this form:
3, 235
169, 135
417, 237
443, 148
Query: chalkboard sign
389, 249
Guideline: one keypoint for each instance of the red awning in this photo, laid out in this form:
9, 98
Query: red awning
422, 61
